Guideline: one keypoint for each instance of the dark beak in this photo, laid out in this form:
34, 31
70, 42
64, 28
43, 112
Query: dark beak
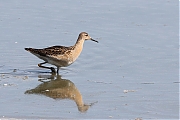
94, 40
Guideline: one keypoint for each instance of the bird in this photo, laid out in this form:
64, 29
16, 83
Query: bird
60, 56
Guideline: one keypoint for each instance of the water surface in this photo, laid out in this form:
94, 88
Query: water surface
131, 73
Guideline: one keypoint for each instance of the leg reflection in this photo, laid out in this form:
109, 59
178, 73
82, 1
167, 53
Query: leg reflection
60, 88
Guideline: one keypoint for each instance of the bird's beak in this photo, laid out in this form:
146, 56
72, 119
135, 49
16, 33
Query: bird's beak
94, 40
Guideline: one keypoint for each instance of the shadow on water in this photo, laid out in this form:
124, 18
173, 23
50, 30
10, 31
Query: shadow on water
58, 88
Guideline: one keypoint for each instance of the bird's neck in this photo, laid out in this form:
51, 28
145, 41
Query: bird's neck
80, 39
79, 43
77, 49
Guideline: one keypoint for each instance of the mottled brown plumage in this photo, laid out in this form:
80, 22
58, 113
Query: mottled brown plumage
61, 56
54, 50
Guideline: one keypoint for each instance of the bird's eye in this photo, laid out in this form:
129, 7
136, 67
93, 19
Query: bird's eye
86, 34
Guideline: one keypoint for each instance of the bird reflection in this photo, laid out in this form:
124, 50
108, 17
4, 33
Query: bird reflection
60, 88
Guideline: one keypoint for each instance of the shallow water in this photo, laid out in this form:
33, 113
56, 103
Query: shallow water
131, 73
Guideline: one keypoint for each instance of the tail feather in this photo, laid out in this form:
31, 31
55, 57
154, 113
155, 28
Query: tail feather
36, 51
28, 49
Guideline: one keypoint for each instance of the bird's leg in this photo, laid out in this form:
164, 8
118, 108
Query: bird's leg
52, 69
57, 70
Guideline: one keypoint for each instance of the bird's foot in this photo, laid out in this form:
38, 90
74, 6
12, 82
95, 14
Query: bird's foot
53, 70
